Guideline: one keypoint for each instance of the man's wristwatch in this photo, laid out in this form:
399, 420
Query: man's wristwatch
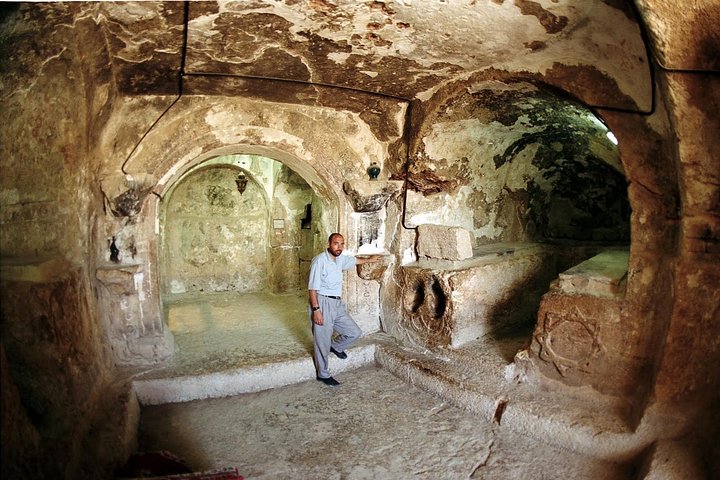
315, 309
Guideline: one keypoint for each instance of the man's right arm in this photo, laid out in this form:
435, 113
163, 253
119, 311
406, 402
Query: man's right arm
316, 314
313, 286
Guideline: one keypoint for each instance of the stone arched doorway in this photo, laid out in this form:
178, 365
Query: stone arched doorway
195, 131
212, 236
236, 236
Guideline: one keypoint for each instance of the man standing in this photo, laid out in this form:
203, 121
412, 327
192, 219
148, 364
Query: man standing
328, 312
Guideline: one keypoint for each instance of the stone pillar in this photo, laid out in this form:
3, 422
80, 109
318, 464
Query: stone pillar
368, 199
121, 295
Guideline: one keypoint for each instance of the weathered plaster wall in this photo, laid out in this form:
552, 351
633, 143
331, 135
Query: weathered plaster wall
54, 94
214, 237
291, 198
511, 162
405, 49
62, 120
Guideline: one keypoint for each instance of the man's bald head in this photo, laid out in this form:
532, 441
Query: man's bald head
336, 244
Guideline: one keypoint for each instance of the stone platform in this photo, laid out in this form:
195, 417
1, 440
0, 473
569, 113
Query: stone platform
480, 378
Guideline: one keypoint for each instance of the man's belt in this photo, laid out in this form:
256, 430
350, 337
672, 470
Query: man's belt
330, 296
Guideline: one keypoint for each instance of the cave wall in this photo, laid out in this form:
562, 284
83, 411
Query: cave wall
510, 161
692, 345
56, 368
79, 163
214, 237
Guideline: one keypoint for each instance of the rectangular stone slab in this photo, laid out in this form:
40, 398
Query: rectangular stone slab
601, 276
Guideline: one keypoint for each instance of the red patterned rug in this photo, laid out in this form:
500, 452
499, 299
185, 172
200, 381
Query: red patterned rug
164, 465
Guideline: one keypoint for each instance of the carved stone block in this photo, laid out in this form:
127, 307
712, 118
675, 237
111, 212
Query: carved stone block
452, 303
374, 271
603, 275
586, 340
448, 243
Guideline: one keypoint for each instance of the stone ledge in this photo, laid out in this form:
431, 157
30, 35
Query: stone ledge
157, 391
600, 276
485, 255
45, 270
554, 417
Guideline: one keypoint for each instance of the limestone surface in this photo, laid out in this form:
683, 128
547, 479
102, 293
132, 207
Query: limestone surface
446, 243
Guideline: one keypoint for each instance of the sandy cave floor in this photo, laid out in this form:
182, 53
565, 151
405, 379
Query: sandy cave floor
220, 331
374, 426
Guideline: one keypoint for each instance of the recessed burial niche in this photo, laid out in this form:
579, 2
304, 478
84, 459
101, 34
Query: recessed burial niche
218, 237
534, 178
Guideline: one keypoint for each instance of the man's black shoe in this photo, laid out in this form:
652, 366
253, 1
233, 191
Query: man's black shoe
329, 381
341, 355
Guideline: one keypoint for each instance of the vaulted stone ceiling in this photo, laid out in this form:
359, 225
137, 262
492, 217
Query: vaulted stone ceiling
407, 48
420, 51
543, 64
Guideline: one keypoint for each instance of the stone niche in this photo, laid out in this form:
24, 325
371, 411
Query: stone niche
583, 335
215, 237
450, 303
368, 199
239, 223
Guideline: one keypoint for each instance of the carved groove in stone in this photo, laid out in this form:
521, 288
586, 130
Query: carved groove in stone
418, 298
440, 298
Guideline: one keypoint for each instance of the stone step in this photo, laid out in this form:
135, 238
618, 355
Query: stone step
185, 388
475, 379
591, 429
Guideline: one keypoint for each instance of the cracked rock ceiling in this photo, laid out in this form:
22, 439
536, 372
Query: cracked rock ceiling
404, 48
421, 51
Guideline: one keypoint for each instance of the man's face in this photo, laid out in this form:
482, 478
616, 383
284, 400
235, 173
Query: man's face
336, 245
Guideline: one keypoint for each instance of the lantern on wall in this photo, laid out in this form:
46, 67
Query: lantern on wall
373, 171
241, 182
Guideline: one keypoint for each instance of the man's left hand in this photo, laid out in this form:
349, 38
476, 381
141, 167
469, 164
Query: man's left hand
371, 259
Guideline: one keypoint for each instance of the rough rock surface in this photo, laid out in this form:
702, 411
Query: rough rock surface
445, 243
494, 114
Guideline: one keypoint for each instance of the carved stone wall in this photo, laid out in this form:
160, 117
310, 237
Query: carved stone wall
585, 340
294, 213
456, 98
214, 237
55, 363
445, 303
55, 98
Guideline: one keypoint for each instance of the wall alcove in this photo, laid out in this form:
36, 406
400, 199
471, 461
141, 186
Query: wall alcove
213, 237
535, 181
237, 233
